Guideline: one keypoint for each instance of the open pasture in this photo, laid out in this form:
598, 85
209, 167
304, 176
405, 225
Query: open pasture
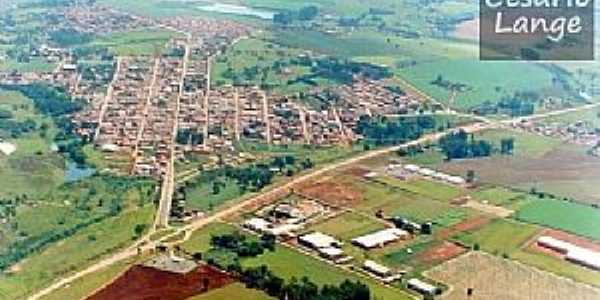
500, 237
576, 218
540, 163
496, 278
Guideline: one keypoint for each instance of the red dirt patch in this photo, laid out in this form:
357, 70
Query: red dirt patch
441, 253
332, 193
467, 225
145, 283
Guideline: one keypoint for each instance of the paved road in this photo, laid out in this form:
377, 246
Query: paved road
144, 243
168, 184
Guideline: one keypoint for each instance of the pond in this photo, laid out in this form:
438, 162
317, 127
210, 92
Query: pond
74, 172
238, 10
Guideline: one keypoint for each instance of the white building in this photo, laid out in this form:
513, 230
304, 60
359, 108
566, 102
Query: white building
318, 240
377, 269
257, 224
380, 238
422, 287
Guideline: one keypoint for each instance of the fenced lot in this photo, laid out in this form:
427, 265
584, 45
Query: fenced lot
492, 277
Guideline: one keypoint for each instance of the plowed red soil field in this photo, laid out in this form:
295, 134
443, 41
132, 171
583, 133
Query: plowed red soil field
145, 283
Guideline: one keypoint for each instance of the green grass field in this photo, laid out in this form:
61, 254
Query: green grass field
572, 217
35, 65
33, 164
499, 237
527, 145
233, 291
497, 195
487, 80
289, 263
414, 202
86, 285
66, 256
349, 225
134, 43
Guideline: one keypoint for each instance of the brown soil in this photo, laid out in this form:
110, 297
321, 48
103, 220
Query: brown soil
145, 283
467, 225
332, 193
440, 253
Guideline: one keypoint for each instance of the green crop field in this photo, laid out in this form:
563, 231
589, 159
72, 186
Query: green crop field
408, 203
428, 188
500, 237
233, 291
572, 217
349, 225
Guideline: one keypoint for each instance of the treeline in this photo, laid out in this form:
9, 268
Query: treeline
517, 105
339, 70
15, 129
47, 100
240, 245
69, 37
383, 131
460, 144
252, 177
261, 278
55, 103
188, 136
287, 17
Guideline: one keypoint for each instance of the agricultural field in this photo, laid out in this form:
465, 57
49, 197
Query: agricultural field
349, 225
134, 43
539, 163
500, 237
511, 280
497, 195
233, 291
569, 216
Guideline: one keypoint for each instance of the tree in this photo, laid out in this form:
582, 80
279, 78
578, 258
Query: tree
470, 176
139, 229
507, 146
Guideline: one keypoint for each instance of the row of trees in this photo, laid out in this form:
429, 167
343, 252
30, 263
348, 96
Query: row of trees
262, 278
383, 131
287, 17
240, 245
458, 145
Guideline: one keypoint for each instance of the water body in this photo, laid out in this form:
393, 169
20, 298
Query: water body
238, 10
74, 172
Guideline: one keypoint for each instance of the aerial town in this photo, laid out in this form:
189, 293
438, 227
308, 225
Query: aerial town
263, 150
